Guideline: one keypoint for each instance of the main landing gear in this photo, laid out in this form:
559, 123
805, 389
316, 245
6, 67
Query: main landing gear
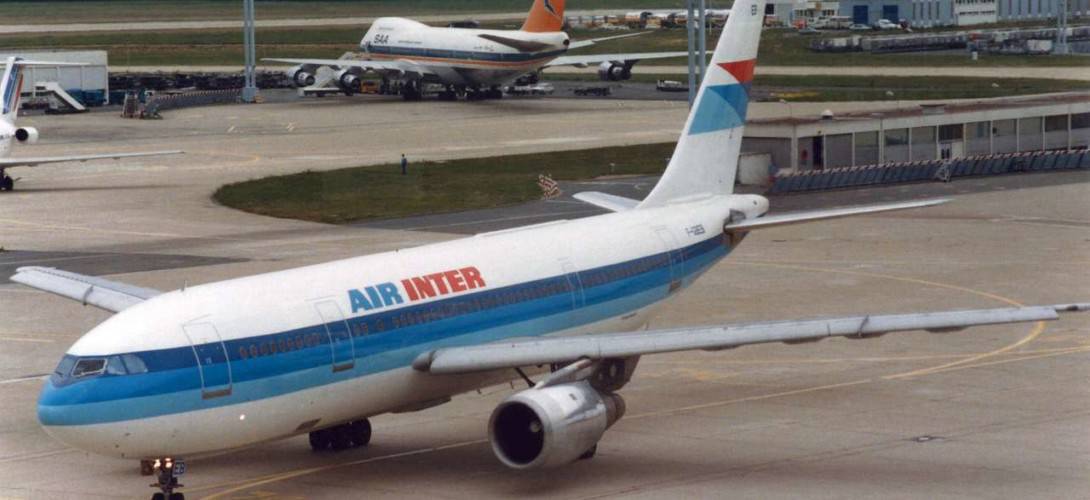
479, 94
341, 437
166, 472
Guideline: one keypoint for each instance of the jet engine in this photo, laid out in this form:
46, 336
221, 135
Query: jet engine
301, 76
28, 135
613, 72
348, 81
551, 426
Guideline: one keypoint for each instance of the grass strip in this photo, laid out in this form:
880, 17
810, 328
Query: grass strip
381, 192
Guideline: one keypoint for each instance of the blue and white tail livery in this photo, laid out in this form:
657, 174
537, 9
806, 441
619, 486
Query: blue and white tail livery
317, 350
706, 159
11, 87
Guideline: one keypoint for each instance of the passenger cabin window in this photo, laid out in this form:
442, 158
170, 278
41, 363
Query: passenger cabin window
88, 367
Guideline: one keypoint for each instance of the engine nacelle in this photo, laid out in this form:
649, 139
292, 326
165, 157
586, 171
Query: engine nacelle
613, 72
27, 135
552, 426
348, 81
301, 77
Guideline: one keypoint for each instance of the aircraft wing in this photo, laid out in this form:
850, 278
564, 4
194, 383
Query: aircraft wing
587, 43
400, 66
101, 293
455, 360
30, 162
616, 58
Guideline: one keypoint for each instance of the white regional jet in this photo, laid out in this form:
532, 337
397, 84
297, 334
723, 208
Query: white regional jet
12, 85
467, 60
319, 349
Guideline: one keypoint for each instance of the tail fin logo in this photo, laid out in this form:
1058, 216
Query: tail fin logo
545, 16
724, 106
12, 87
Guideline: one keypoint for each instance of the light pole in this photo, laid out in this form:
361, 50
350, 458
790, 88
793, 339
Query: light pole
1061, 29
698, 48
249, 89
689, 27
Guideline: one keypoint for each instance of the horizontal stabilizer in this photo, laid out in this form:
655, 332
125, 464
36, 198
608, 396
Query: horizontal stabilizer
88, 290
545, 351
519, 45
607, 201
30, 161
832, 213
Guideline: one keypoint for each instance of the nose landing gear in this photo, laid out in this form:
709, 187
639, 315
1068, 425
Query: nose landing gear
341, 437
166, 471
6, 182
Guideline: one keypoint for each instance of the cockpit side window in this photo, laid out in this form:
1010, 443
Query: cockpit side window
114, 366
133, 364
89, 366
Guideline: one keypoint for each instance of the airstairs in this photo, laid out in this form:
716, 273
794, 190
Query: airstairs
64, 101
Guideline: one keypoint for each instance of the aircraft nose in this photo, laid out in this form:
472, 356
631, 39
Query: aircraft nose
50, 410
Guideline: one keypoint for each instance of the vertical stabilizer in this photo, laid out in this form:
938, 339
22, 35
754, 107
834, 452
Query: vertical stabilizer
705, 160
546, 16
12, 85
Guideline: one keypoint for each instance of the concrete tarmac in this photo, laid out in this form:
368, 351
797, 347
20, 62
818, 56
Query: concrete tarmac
995, 412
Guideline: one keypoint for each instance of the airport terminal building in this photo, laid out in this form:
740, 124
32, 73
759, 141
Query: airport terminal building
927, 132
927, 13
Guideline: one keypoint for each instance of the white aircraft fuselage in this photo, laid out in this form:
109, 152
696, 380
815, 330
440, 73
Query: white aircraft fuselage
462, 56
225, 365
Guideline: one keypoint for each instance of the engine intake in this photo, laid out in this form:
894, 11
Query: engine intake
553, 426
28, 135
301, 76
613, 72
348, 81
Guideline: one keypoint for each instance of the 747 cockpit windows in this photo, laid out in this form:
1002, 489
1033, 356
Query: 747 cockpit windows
73, 368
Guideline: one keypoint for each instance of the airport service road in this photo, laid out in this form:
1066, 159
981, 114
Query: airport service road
262, 23
1057, 73
994, 412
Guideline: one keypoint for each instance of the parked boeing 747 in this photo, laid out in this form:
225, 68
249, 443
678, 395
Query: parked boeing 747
471, 62
319, 349
12, 85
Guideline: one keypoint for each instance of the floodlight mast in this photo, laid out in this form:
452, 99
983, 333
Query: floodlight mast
249, 90
698, 45
1061, 29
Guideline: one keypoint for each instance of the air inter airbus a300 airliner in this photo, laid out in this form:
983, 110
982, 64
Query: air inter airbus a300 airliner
319, 349
473, 62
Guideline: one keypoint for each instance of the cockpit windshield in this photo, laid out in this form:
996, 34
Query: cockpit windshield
87, 367
75, 368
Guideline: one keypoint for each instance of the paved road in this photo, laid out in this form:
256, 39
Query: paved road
261, 23
1050, 72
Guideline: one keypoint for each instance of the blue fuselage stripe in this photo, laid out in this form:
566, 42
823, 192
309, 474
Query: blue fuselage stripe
270, 365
